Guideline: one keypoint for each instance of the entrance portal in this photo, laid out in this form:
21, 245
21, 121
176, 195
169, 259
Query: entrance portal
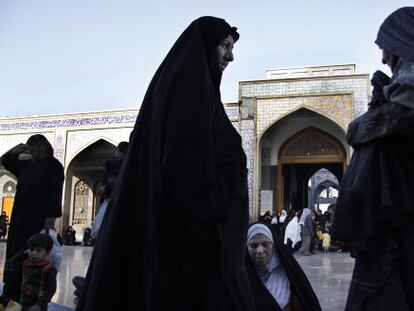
300, 157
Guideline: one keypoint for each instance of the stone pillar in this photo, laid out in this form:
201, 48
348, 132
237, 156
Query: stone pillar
247, 132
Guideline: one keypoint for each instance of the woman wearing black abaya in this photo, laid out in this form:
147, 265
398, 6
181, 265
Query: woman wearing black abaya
38, 202
375, 207
181, 199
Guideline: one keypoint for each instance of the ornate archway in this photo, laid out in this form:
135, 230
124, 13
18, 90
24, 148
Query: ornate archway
304, 152
82, 174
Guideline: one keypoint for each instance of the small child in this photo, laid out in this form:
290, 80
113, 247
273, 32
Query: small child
326, 241
319, 237
39, 275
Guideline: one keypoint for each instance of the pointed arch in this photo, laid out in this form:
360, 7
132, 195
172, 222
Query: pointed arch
86, 146
341, 127
311, 145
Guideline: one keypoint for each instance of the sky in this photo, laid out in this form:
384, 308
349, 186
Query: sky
68, 56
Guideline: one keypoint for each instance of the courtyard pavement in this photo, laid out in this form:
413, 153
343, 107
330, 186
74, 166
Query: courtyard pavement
329, 274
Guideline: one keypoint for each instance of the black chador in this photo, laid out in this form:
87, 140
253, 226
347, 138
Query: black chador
175, 234
375, 208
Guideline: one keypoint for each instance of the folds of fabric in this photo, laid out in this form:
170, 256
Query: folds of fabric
174, 234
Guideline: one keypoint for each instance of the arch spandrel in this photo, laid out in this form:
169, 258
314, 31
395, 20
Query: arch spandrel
337, 107
86, 146
8, 142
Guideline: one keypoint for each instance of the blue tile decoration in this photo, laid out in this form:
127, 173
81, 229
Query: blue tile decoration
72, 122
59, 148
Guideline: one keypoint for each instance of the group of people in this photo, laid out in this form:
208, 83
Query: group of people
302, 230
175, 234
37, 204
31, 266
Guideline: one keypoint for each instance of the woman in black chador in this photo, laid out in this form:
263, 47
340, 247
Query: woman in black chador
37, 203
175, 235
375, 206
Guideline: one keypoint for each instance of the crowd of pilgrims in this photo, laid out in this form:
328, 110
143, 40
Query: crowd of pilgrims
173, 230
305, 230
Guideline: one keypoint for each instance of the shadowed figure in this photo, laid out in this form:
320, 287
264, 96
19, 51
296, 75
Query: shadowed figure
174, 237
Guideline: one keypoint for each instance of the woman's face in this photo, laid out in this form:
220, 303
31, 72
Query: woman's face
224, 52
260, 250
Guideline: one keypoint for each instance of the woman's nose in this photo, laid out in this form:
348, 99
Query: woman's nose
229, 56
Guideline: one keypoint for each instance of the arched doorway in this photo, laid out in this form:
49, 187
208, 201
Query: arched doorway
279, 153
83, 173
322, 190
9, 191
299, 158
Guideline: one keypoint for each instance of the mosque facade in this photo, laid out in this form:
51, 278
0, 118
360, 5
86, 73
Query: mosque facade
293, 126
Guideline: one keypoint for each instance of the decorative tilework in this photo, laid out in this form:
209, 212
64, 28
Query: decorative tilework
79, 140
248, 143
232, 113
336, 107
72, 122
59, 147
341, 99
315, 86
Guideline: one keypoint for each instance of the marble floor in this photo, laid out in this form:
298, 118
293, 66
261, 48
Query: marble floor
329, 274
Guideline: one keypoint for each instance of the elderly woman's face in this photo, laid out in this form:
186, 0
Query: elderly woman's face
224, 52
260, 250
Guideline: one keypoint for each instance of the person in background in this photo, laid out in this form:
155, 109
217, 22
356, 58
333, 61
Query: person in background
279, 222
326, 241
292, 233
374, 209
306, 233
70, 236
87, 238
266, 217
109, 180
37, 203
319, 237
4, 221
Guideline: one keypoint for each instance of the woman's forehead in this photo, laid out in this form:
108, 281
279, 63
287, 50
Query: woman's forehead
260, 238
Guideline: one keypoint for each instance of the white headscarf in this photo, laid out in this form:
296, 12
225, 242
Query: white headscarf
275, 278
292, 232
305, 213
283, 216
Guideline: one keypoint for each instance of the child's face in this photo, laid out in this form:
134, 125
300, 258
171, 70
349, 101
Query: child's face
37, 254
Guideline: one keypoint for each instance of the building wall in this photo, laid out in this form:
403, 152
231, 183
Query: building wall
340, 98
262, 103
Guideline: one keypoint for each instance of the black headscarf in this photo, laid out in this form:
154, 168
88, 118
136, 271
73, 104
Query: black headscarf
42, 144
396, 33
174, 236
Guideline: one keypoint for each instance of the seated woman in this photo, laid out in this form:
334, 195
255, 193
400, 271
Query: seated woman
70, 236
278, 282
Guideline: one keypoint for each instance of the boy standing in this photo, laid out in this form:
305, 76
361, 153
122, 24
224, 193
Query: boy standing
39, 275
